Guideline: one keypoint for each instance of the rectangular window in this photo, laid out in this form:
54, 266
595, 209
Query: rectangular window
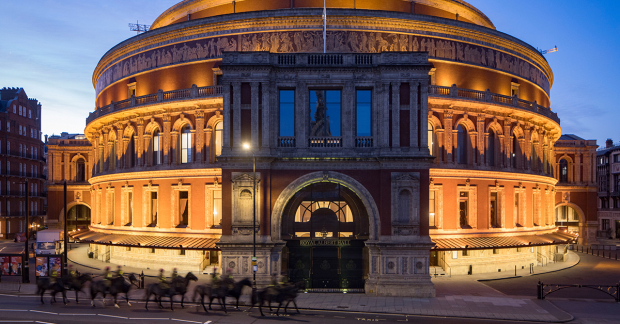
110, 203
153, 208
217, 208
495, 251
287, 113
325, 113
493, 209
464, 209
516, 210
129, 211
465, 253
431, 208
363, 111
186, 147
605, 224
183, 208
182, 252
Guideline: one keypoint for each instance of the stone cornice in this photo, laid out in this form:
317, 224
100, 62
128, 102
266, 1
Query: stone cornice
155, 175
447, 173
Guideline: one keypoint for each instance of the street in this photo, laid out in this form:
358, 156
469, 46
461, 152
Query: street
28, 308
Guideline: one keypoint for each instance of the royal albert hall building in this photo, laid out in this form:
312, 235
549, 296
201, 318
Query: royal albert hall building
422, 137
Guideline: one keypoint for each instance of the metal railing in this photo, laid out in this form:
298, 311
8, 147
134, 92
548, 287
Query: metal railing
363, 142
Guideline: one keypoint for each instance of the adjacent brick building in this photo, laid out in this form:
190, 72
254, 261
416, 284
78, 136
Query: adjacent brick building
21, 162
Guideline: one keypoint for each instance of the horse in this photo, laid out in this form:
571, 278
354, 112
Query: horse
286, 294
44, 284
221, 293
117, 285
77, 283
178, 286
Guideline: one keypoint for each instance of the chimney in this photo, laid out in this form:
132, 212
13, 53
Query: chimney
609, 143
45, 138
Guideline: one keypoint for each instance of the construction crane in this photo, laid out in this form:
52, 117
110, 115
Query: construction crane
555, 49
139, 28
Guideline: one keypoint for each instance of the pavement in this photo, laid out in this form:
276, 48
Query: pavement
457, 296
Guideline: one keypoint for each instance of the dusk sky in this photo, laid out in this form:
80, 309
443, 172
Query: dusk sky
50, 48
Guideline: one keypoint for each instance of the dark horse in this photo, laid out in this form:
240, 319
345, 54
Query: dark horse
77, 283
44, 284
118, 285
221, 293
178, 286
286, 294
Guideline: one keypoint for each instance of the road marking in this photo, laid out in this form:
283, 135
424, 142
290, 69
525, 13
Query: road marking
36, 311
180, 320
106, 315
339, 317
70, 314
43, 322
149, 318
13, 310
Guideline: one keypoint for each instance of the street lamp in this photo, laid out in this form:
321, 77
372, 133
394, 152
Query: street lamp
247, 147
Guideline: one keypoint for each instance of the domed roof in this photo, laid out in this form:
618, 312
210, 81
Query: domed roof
193, 9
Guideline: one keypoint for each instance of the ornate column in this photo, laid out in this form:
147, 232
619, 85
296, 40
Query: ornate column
507, 143
106, 149
395, 114
199, 139
383, 118
120, 148
527, 147
577, 169
139, 142
226, 108
423, 109
348, 109
166, 147
482, 140
448, 135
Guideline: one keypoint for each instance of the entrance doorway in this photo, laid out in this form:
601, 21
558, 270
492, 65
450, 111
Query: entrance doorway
78, 217
325, 226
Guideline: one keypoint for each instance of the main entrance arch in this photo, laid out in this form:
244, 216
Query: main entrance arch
78, 217
325, 224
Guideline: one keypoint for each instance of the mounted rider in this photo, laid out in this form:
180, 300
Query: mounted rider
228, 280
175, 274
107, 277
163, 282
215, 280
273, 285
118, 273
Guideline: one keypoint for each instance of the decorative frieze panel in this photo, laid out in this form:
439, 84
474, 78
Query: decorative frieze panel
405, 205
242, 200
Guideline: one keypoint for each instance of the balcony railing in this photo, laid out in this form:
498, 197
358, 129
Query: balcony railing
487, 96
161, 96
363, 142
325, 142
288, 141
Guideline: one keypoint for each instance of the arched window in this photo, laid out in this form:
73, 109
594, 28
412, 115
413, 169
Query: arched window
131, 152
461, 145
515, 151
219, 131
563, 171
185, 145
491, 148
431, 140
80, 168
156, 147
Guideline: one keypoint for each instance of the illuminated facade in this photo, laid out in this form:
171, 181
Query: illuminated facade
410, 95
608, 174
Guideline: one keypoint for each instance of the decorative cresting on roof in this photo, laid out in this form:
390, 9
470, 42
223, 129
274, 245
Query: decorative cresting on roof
183, 8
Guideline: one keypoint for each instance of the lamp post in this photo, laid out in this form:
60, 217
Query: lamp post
247, 147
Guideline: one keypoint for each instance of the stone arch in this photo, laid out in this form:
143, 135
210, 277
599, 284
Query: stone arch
435, 122
152, 126
61, 216
496, 127
330, 176
214, 120
466, 122
129, 131
111, 135
517, 131
582, 215
182, 121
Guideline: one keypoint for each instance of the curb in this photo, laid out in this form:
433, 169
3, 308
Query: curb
556, 270
493, 279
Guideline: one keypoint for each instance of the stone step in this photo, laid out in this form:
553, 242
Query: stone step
436, 270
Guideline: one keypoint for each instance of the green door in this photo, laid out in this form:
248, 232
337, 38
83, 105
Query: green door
325, 267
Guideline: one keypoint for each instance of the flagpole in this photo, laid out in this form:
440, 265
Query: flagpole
324, 28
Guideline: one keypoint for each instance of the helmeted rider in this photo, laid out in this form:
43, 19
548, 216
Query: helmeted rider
228, 280
72, 272
215, 279
175, 273
163, 283
119, 272
107, 276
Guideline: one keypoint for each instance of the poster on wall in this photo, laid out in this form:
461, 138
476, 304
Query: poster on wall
4, 263
42, 267
16, 266
55, 263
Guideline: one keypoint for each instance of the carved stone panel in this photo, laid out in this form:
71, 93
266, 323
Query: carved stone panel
405, 205
242, 199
